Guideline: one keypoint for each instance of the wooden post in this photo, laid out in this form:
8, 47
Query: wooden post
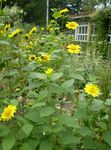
47, 13
89, 30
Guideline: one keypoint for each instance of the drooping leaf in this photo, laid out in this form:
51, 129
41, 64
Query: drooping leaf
68, 84
8, 142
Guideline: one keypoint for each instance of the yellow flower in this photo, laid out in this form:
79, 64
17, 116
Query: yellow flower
64, 10
27, 36
49, 71
14, 33
30, 45
8, 112
17, 89
7, 27
73, 49
72, 25
92, 89
32, 58
51, 29
44, 58
42, 29
34, 29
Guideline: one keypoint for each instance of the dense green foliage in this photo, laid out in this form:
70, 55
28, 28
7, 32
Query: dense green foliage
102, 20
54, 112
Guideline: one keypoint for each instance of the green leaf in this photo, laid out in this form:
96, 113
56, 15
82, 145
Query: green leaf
107, 137
4, 130
67, 138
68, 121
89, 143
39, 104
46, 111
8, 142
25, 146
38, 75
108, 102
4, 42
56, 76
80, 114
33, 116
56, 14
102, 124
68, 84
77, 76
97, 105
85, 131
27, 128
45, 145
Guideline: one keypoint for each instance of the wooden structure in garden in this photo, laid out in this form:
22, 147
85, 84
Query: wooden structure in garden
86, 31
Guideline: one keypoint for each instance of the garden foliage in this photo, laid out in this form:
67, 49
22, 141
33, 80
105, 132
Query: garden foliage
51, 98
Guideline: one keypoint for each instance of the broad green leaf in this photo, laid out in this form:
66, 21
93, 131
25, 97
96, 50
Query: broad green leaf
107, 137
8, 142
38, 75
97, 105
68, 84
80, 114
56, 14
85, 131
25, 146
46, 111
56, 76
27, 128
22, 119
102, 124
38, 104
4, 43
4, 130
77, 76
68, 121
42, 94
108, 102
69, 139
33, 116
89, 143
45, 145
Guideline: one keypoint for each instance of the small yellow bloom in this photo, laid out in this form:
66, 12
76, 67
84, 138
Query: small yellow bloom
17, 89
92, 89
34, 29
27, 36
73, 49
8, 112
49, 71
7, 27
32, 58
44, 58
72, 25
64, 11
51, 29
42, 29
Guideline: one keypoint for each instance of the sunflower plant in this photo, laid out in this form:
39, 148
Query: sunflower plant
50, 94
